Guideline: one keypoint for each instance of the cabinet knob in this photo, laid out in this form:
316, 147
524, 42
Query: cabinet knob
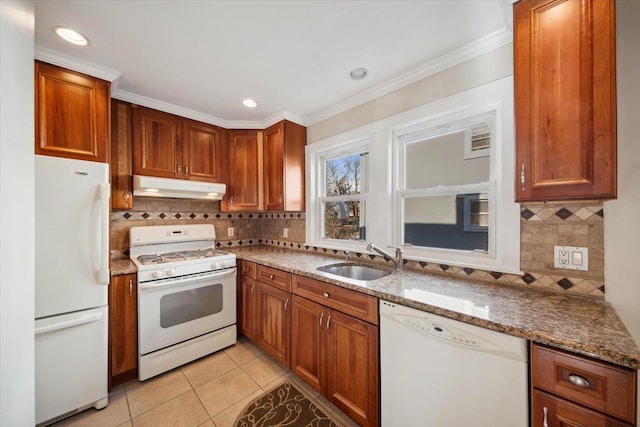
579, 381
247, 268
326, 295
127, 195
271, 276
179, 169
186, 170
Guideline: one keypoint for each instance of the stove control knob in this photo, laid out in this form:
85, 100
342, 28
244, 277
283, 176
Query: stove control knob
215, 266
156, 274
171, 271
228, 263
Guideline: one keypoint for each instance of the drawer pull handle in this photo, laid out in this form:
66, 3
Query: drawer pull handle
326, 295
579, 381
328, 323
130, 287
252, 286
271, 276
321, 316
544, 421
286, 303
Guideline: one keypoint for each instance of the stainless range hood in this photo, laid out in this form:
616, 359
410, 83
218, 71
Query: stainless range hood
151, 186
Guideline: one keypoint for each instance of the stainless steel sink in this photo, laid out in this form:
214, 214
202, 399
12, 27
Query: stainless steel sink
354, 271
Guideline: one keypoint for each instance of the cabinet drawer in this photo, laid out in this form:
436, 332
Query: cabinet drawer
560, 412
249, 269
274, 277
363, 307
599, 385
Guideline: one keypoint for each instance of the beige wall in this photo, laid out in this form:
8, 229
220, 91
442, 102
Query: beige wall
483, 69
622, 232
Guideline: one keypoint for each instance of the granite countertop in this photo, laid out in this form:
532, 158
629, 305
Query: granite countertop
121, 266
576, 323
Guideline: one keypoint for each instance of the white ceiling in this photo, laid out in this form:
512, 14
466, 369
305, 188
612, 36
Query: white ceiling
201, 58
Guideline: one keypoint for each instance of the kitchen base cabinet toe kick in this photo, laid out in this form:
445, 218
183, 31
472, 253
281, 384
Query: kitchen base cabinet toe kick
326, 335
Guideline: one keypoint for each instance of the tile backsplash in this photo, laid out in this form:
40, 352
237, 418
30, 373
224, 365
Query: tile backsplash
542, 226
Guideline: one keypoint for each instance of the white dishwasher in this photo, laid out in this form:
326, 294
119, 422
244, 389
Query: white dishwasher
438, 372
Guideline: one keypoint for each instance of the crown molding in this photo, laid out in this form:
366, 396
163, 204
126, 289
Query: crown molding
458, 56
145, 101
66, 61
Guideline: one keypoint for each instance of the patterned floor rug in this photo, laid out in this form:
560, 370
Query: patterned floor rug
284, 405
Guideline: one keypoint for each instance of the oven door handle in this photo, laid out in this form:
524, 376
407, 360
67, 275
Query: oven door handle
182, 281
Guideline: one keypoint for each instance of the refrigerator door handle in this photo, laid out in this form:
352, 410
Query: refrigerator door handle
103, 250
65, 324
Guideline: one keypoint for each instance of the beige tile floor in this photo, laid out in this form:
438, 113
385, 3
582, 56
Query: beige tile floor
208, 392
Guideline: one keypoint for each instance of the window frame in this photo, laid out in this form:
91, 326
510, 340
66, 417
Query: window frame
383, 202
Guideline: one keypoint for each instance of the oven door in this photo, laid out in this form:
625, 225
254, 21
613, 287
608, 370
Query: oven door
174, 310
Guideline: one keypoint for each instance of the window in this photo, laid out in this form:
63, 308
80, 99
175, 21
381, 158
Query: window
445, 193
343, 202
436, 180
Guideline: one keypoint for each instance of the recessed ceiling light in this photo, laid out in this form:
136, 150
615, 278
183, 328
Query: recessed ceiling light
358, 73
250, 103
72, 36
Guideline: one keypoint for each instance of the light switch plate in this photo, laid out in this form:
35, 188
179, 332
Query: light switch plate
571, 258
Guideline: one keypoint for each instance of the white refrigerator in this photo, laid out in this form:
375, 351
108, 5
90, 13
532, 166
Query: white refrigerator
72, 277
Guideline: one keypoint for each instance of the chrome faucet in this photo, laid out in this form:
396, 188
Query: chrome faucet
397, 260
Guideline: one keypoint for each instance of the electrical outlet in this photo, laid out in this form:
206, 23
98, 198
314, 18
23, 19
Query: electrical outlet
230, 232
285, 232
571, 258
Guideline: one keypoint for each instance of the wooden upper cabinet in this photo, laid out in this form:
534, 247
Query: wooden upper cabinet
156, 143
284, 145
244, 182
201, 151
72, 114
565, 99
121, 185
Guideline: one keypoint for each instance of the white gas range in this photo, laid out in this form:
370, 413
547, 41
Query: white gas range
186, 295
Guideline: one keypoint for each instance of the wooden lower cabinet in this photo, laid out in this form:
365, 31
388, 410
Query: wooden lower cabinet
574, 390
273, 322
551, 411
248, 308
337, 355
123, 329
308, 337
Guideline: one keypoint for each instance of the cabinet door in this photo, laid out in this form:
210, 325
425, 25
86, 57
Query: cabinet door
248, 308
551, 411
273, 323
72, 114
352, 367
274, 168
308, 328
123, 328
156, 144
121, 185
244, 192
201, 151
565, 99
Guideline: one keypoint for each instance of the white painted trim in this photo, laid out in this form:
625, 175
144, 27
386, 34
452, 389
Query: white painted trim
383, 138
206, 118
79, 65
465, 53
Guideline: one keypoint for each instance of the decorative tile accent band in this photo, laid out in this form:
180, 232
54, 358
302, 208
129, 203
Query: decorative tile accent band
144, 215
566, 213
